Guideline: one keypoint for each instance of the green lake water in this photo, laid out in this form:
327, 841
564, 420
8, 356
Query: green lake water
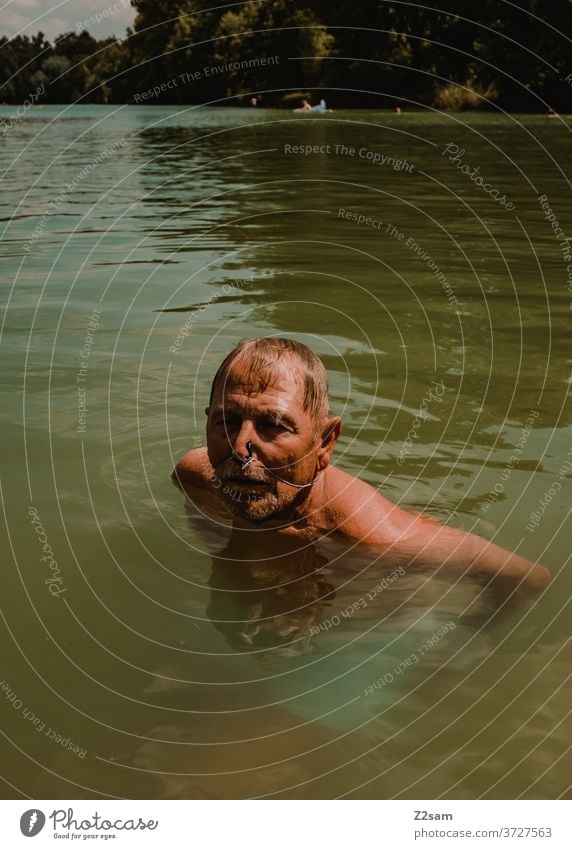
138, 246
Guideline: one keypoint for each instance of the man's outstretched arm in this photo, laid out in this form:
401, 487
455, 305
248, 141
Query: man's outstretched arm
426, 543
476, 556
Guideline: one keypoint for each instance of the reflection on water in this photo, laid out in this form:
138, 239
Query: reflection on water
273, 602
192, 667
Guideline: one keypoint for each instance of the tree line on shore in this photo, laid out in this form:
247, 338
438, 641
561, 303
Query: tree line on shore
371, 53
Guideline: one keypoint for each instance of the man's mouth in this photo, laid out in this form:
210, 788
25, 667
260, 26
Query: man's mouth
247, 489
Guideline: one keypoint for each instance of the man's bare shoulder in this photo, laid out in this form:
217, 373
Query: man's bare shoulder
359, 512
193, 470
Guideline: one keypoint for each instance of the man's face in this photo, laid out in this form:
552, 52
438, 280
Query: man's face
284, 441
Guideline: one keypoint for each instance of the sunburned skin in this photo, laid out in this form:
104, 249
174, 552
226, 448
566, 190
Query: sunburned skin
289, 488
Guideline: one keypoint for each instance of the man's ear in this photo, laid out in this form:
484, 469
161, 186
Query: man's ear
331, 430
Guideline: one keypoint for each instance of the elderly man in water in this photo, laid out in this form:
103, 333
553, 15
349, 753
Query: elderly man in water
270, 442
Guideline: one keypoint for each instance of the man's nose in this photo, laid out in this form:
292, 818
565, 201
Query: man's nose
243, 443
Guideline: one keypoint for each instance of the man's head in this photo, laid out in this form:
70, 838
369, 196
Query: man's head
269, 400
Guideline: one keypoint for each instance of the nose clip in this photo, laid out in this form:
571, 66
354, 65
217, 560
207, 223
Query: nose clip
246, 460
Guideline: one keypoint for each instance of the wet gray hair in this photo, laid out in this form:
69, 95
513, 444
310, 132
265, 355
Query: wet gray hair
260, 357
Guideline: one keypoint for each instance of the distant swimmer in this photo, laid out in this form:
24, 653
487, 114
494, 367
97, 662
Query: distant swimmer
267, 467
307, 107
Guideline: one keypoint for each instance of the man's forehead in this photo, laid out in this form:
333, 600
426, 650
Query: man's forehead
281, 383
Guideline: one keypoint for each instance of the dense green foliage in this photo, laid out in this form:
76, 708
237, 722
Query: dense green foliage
353, 52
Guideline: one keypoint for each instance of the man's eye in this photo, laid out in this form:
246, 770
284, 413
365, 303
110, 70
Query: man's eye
271, 424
